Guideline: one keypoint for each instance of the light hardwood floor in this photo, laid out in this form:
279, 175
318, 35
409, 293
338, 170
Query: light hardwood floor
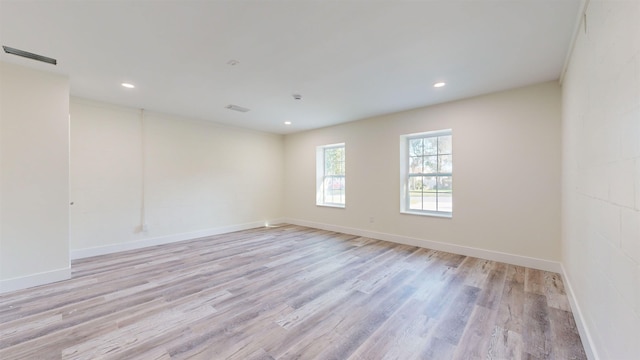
291, 293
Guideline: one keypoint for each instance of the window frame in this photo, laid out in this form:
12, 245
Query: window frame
321, 176
405, 173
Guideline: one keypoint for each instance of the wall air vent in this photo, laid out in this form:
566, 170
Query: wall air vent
28, 55
236, 108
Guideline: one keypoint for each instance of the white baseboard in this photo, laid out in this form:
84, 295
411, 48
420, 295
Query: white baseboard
32, 280
585, 334
138, 244
519, 260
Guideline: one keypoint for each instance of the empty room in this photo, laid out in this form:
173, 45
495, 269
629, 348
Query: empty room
300, 179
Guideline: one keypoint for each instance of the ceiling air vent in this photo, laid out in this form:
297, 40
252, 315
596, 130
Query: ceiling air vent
236, 108
28, 55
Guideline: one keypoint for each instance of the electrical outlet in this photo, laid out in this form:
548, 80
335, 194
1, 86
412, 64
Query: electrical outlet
145, 227
372, 219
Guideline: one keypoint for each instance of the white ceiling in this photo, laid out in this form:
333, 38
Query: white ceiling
349, 59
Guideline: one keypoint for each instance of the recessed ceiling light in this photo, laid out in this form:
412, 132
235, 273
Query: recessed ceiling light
287, 122
439, 84
128, 86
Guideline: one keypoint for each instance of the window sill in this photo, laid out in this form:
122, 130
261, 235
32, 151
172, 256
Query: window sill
445, 215
332, 206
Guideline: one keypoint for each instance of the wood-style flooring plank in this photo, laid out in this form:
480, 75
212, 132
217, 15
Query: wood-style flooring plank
476, 338
291, 292
566, 340
537, 328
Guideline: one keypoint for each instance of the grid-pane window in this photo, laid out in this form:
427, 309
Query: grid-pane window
429, 173
331, 175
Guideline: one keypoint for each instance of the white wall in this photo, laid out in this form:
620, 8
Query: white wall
34, 177
200, 178
601, 177
506, 176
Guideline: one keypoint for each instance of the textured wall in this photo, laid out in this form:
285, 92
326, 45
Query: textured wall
601, 176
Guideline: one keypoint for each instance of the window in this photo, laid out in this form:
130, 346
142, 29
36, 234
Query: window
427, 173
330, 175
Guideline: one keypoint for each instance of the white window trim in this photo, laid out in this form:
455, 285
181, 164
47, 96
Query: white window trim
404, 173
320, 176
